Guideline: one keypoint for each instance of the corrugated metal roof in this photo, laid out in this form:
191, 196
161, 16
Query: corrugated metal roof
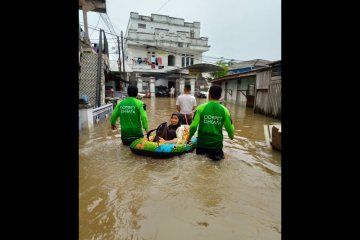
275, 62
233, 76
199, 67
250, 63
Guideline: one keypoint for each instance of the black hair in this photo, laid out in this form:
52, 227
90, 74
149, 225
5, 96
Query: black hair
132, 91
215, 92
187, 86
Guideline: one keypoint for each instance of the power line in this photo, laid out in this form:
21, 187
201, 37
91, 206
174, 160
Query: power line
112, 27
97, 29
98, 38
162, 6
223, 58
107, 23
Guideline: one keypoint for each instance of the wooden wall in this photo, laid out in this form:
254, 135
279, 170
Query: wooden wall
268, 94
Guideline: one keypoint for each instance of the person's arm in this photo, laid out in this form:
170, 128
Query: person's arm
114, 116
228, 124
178, 104
193, 108
167, 141
195, 122
143, 116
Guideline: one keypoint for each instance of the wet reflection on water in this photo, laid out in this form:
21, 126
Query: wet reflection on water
127, 196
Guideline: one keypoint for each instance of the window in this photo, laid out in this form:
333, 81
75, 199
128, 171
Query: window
171, 60
141, 25
187, 60
192, 33
180, 44
276, 71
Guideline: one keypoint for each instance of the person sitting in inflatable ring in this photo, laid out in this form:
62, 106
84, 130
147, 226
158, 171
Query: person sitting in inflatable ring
176, 132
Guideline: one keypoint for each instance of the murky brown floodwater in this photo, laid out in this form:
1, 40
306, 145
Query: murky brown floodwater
126, 196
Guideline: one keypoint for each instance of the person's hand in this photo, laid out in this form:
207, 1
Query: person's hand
161, 140
113, 127
187, 139
151, 138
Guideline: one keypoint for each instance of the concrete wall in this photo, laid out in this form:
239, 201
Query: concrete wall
85, 118
165, 33
163, 22
102, 113
88, 117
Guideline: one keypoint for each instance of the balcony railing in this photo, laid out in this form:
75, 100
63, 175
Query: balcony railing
169, 40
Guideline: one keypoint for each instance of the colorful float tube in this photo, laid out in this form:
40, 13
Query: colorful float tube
142, 146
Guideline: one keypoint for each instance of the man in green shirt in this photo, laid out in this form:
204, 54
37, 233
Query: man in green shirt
133, 117
211, 117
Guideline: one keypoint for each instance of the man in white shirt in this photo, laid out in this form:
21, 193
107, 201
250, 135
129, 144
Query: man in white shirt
186, 104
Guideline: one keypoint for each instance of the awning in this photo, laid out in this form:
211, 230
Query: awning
199, 68
112, 76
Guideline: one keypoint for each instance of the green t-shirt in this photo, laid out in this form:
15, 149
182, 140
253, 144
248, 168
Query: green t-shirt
211, 117
133, 118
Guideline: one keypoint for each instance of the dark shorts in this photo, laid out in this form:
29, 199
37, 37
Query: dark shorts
186, 118
128, 142
214, 154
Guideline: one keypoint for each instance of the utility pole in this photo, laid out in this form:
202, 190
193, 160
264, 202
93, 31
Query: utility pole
122, 50
119, 63
98, 82
119, 59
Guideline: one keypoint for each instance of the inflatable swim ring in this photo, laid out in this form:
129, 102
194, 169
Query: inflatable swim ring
142, 146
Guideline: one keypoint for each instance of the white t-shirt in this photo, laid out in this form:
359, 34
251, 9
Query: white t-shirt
186, 103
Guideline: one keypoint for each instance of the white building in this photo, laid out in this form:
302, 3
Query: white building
158, 44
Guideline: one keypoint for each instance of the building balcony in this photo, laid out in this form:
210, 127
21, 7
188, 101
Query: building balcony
169, 41
148, 68
93, 5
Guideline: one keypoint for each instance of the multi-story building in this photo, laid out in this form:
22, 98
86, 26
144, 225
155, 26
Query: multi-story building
158, 45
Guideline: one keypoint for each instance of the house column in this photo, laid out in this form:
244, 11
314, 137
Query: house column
192, 84
139, 85
86, 29
152, 86
182, 85
86, 117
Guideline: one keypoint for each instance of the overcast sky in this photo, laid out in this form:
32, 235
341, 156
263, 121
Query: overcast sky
236, 29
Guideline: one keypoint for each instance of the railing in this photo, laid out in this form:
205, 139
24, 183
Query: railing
102, 113
167, 40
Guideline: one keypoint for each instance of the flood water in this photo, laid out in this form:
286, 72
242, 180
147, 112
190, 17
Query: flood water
127, 196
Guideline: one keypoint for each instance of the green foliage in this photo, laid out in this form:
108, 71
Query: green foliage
225, 66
